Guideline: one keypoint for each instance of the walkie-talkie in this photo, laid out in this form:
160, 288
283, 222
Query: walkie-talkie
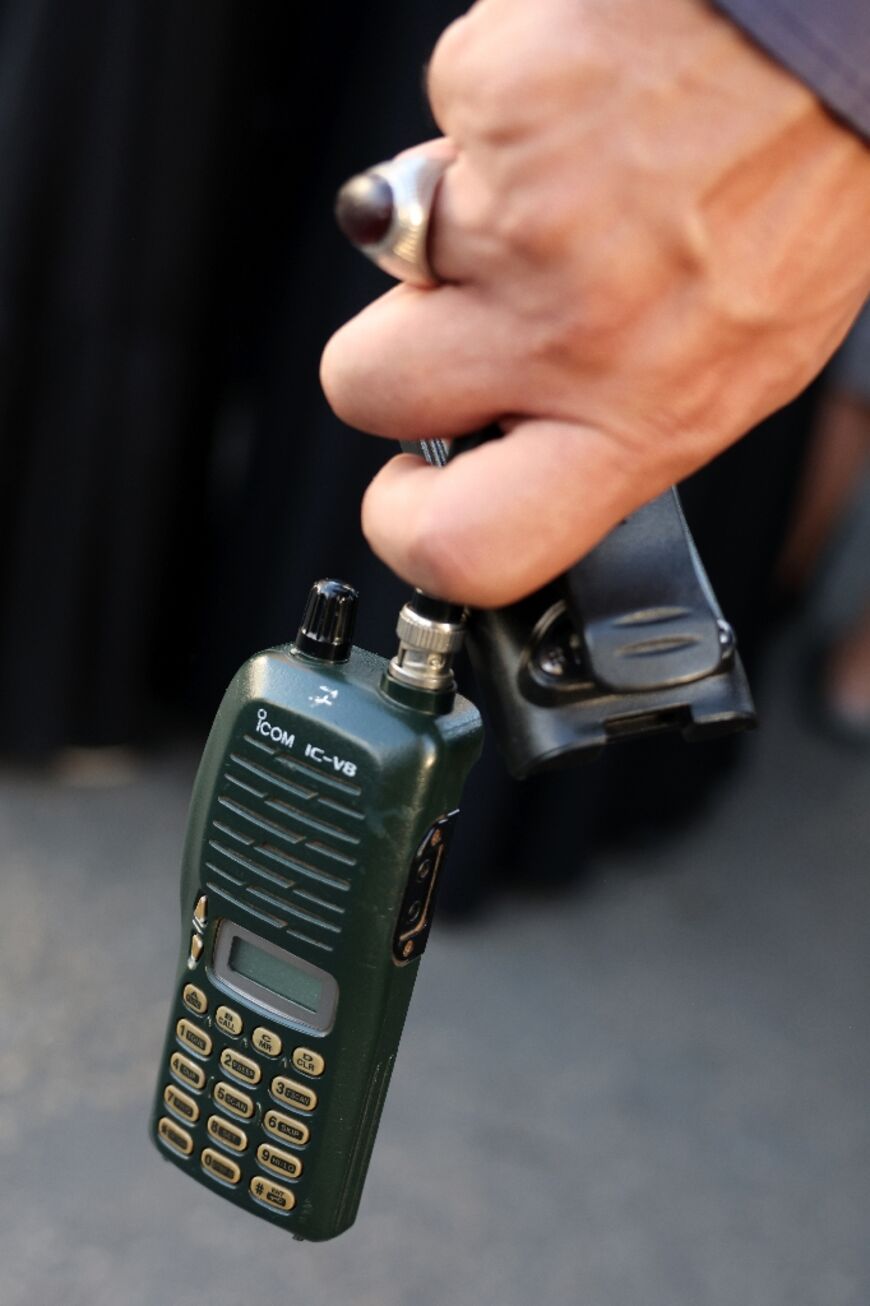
320, 819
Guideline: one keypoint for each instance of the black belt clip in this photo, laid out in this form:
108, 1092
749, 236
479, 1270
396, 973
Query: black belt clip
630, 641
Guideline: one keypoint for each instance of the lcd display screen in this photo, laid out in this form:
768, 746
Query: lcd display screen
290, 988
275, 974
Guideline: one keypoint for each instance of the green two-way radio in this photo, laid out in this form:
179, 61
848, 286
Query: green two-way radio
319, 822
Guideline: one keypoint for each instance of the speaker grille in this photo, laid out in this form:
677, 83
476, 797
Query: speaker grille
283, 842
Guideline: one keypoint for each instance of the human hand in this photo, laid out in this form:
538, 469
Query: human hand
652, 237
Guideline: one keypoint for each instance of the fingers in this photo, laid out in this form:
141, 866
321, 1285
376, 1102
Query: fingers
439, 147
501, 520
419, 364
461, 243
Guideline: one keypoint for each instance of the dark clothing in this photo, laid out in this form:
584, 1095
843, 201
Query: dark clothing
826, 43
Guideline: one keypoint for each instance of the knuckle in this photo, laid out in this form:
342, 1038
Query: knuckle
448, 73
437, 559
473, 93
430, 557
333, 376
352, 380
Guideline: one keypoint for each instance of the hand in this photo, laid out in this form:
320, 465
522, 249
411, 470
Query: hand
653, 237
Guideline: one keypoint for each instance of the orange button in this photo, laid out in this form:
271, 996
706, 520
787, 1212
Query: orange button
224, 1131
180, 1104
233, 1100
186, 1070
220, 1166
174, 1136
295, 1132
287, 1090
281, 1162
194, 1038
241, 1068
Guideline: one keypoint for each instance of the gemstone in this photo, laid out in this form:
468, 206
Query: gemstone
364, 209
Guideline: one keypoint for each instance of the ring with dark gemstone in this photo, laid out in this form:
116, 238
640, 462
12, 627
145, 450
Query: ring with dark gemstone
385, 212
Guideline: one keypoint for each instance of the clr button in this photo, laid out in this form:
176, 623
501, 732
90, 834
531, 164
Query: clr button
310, 1063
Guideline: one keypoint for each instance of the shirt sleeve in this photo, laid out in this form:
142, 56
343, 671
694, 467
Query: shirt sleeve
826, 43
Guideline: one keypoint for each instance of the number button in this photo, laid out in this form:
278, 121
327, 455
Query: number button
180, 1104
241, 1068
220, 1166
225, 1132
310, 1063
287, 1090
286, 1128
267, 1042
270, 1194
272, 1158
194, 999
174, 1136
187, 1071
193, 1037
233, 1100
229, 1021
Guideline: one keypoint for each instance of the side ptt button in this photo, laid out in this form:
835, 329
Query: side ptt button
418, 903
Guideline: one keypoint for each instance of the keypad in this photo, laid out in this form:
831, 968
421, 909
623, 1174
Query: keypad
239, 1067
271, 1194
229, 1021
283, 1163
194, 1037
174, 1136
267, 1042
239, 1135
295, 1132
308, 1062
232, 1099
194, 999
298, 1095
220, 1166
227, 1134
186, 1070
181, 1104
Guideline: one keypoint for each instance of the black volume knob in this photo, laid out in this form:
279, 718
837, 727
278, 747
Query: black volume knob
328, 621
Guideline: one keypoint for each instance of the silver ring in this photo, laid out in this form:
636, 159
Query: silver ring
385, 212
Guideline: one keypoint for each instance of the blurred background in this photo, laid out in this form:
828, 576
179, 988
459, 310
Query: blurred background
689, 1122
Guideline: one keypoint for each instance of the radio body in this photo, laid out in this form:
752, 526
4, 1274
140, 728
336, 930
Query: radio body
319, 822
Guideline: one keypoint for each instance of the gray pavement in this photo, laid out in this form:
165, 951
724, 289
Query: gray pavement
650, 1092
